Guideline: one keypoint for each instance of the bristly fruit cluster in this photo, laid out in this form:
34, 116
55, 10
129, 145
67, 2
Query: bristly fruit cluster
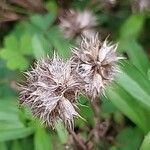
96, 63
52, 85
76, 23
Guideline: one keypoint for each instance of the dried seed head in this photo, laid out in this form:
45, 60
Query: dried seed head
51, 91
144, 5
141, 5
75, 23
96, 63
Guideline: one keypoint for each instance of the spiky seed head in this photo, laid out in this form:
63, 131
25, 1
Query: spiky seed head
51, 91
75, 23
96, 63
144, 5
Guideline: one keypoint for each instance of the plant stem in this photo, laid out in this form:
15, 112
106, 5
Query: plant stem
77, 139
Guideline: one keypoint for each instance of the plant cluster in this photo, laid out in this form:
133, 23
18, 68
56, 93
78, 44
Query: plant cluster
69, 87
53, 85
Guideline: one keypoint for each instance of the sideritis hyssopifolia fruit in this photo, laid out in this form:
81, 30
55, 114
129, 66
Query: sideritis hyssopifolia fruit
52, 85
51, 91
96, 63
77, 23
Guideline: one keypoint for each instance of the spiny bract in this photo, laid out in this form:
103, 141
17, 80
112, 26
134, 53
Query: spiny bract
75, 23
96, 64
51, 91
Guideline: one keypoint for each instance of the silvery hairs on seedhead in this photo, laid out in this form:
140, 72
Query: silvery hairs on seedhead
52, 85
77, 23
96, 63
51, 91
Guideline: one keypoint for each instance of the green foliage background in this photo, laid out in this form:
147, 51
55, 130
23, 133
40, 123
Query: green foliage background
128, 99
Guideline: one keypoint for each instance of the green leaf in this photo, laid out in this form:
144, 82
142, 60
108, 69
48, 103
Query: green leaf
136, 84
124, 140
136, 54
132, 27
146, 143
148, 73
10, 124
11, 52
9, 118
11, 42
108, 107
61, 131
3, 146
38, 48
86, 112
16, 145
18, 62
8, 104
43, 21
16, 134
42, 140
59, 43
126, 104
26, 44
129, 106
27, 143
51, 6
113, 148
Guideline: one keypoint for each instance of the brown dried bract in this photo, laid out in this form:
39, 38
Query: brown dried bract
51, 91
96, 64
75, 23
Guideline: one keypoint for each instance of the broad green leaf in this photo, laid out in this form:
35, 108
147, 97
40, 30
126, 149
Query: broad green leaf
43, 21
15, 134
132, 26
124, 140
148, 73
136, 54
146, 142
8, 116
48, 48
62, 132
38, 48
86, 112
10, 124
58, 42
113, 148
8, 104
26, 44
6, 90
11, 43
129, 106
12, 54
19, 62
51, 6
42, 140
108, 107
4, 72
27, 143
136, 84
3, 146
16, 145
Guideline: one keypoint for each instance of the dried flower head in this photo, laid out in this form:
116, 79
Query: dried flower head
144, 5
141, 5
75, 23
51, 91
96, 64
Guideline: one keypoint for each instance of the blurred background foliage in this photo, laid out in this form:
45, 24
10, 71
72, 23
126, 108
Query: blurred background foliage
29, 30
